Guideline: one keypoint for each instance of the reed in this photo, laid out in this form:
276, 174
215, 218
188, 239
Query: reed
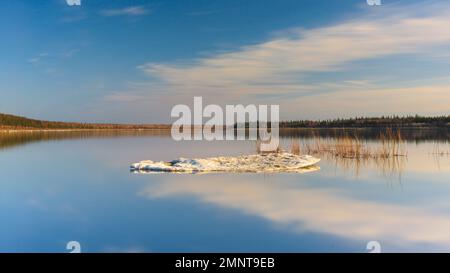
437, 150
295, 147
391, 145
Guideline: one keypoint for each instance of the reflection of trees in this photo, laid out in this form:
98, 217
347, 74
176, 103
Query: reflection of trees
408, 134
10, 139
390, 166
13, 139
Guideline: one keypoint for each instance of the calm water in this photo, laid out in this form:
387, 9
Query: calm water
59, 187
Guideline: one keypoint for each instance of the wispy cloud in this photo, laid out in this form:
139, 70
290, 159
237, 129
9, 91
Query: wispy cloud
372, 101
73, 18
71, 52
123, 97
126, 11
54, 72
283, 59
282, 65
292, 69
38, 58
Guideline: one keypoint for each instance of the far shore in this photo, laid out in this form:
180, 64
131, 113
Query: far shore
37, 130
11, 123
79, 130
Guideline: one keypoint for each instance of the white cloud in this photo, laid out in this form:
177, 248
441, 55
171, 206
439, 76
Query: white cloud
282, 64
127, 11
370, 101
320, 49
38, 58
281, 70
123, 97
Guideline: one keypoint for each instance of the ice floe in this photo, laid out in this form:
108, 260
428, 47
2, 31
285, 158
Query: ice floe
256, 163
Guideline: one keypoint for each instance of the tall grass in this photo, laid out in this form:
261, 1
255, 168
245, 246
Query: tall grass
295, 148
437, 150
391, 145
351, 152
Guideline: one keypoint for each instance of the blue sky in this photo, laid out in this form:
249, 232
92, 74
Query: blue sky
132, 60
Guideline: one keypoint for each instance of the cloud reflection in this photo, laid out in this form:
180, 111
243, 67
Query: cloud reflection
321, 210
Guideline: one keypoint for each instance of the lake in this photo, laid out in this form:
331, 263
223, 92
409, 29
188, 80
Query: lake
57, 187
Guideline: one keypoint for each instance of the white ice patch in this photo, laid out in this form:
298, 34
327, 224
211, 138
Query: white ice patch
258, 163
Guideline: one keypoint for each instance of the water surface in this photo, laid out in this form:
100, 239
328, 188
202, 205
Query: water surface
60, 187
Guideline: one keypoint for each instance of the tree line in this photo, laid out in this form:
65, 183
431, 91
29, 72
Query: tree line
383, 121
16, 122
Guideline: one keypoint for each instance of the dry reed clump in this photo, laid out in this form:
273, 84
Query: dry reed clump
392, 145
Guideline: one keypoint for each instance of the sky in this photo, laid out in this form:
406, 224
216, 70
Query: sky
131, 61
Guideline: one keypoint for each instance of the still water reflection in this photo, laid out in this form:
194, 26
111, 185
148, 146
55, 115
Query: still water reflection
60, 187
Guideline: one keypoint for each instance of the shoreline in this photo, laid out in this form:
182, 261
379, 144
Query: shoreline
169, 128
77, 130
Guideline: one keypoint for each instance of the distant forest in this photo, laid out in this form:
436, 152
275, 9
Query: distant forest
11, 122
384, 121
367, 122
